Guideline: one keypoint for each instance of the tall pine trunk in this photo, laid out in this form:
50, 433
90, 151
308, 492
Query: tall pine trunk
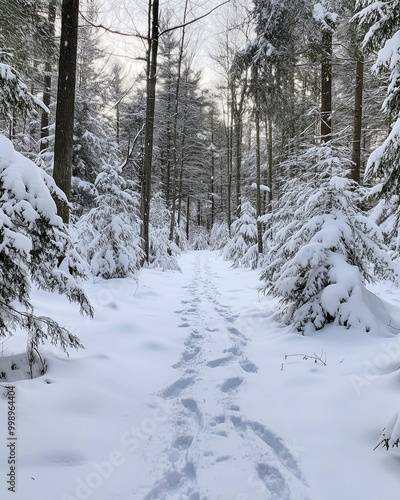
175, 131
44, 122
326, 84
357, 128
258, 164
149, 123
64, 134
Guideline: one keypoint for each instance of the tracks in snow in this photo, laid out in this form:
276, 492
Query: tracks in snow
215, 452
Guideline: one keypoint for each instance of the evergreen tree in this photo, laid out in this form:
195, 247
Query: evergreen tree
382, 19
321, 259
242, 248
35, 247
94, 148
109, 234
219, 235
14, 95
162, 249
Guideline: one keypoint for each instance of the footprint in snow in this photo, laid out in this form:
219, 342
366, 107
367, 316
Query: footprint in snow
231, 384
219, 362
248, 366
175, 389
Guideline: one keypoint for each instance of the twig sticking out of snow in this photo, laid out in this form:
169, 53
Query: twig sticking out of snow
391, 433
315, 357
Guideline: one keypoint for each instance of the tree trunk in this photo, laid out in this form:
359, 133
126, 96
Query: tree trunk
326, 85
44, 122
149, 124
270, 165
212, 187
187, 217
64, 134
258, 165
229, 144
175, 131
238, 159
357, 128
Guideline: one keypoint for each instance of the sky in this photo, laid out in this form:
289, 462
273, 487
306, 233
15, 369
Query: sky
130, 17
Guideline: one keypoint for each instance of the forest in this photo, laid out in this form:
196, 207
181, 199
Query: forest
265, 131
293, 137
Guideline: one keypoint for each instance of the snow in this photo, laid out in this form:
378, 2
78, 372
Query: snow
183, 391
321, 14
262, 187
26, 190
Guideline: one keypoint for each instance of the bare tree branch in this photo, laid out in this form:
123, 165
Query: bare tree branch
112, 31
137, 35
193, 20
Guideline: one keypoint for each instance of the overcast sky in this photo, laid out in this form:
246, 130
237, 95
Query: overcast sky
130, 16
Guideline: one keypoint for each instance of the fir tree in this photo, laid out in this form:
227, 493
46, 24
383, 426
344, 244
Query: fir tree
110, 232
219, 236
35, 247
328, 250
242, 248
161, 249
382, 21
14, 94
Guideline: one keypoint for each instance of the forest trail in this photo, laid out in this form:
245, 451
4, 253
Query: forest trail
215, 451
183, 392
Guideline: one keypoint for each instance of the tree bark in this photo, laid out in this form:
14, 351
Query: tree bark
326, 85
237, 109
270, 165
175, 131
258, 164
212, 176
357, 128
149, 123
64, 134
44, 122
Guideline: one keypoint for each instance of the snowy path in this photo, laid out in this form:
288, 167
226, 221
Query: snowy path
183, 392
212, 440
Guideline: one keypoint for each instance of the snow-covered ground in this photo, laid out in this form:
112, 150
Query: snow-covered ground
184, 392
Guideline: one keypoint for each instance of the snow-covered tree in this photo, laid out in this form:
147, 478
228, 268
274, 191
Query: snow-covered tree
242, 248
198, 238
94, 147
14, 94
161, 249
35, 247
219, 235
382, 20
110, 233
323, 257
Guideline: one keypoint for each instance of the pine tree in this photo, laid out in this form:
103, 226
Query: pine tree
94, 148
34, 247
162, 249
322, 258
219, 235
242, 248
14, 94
382, 19
110, 232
